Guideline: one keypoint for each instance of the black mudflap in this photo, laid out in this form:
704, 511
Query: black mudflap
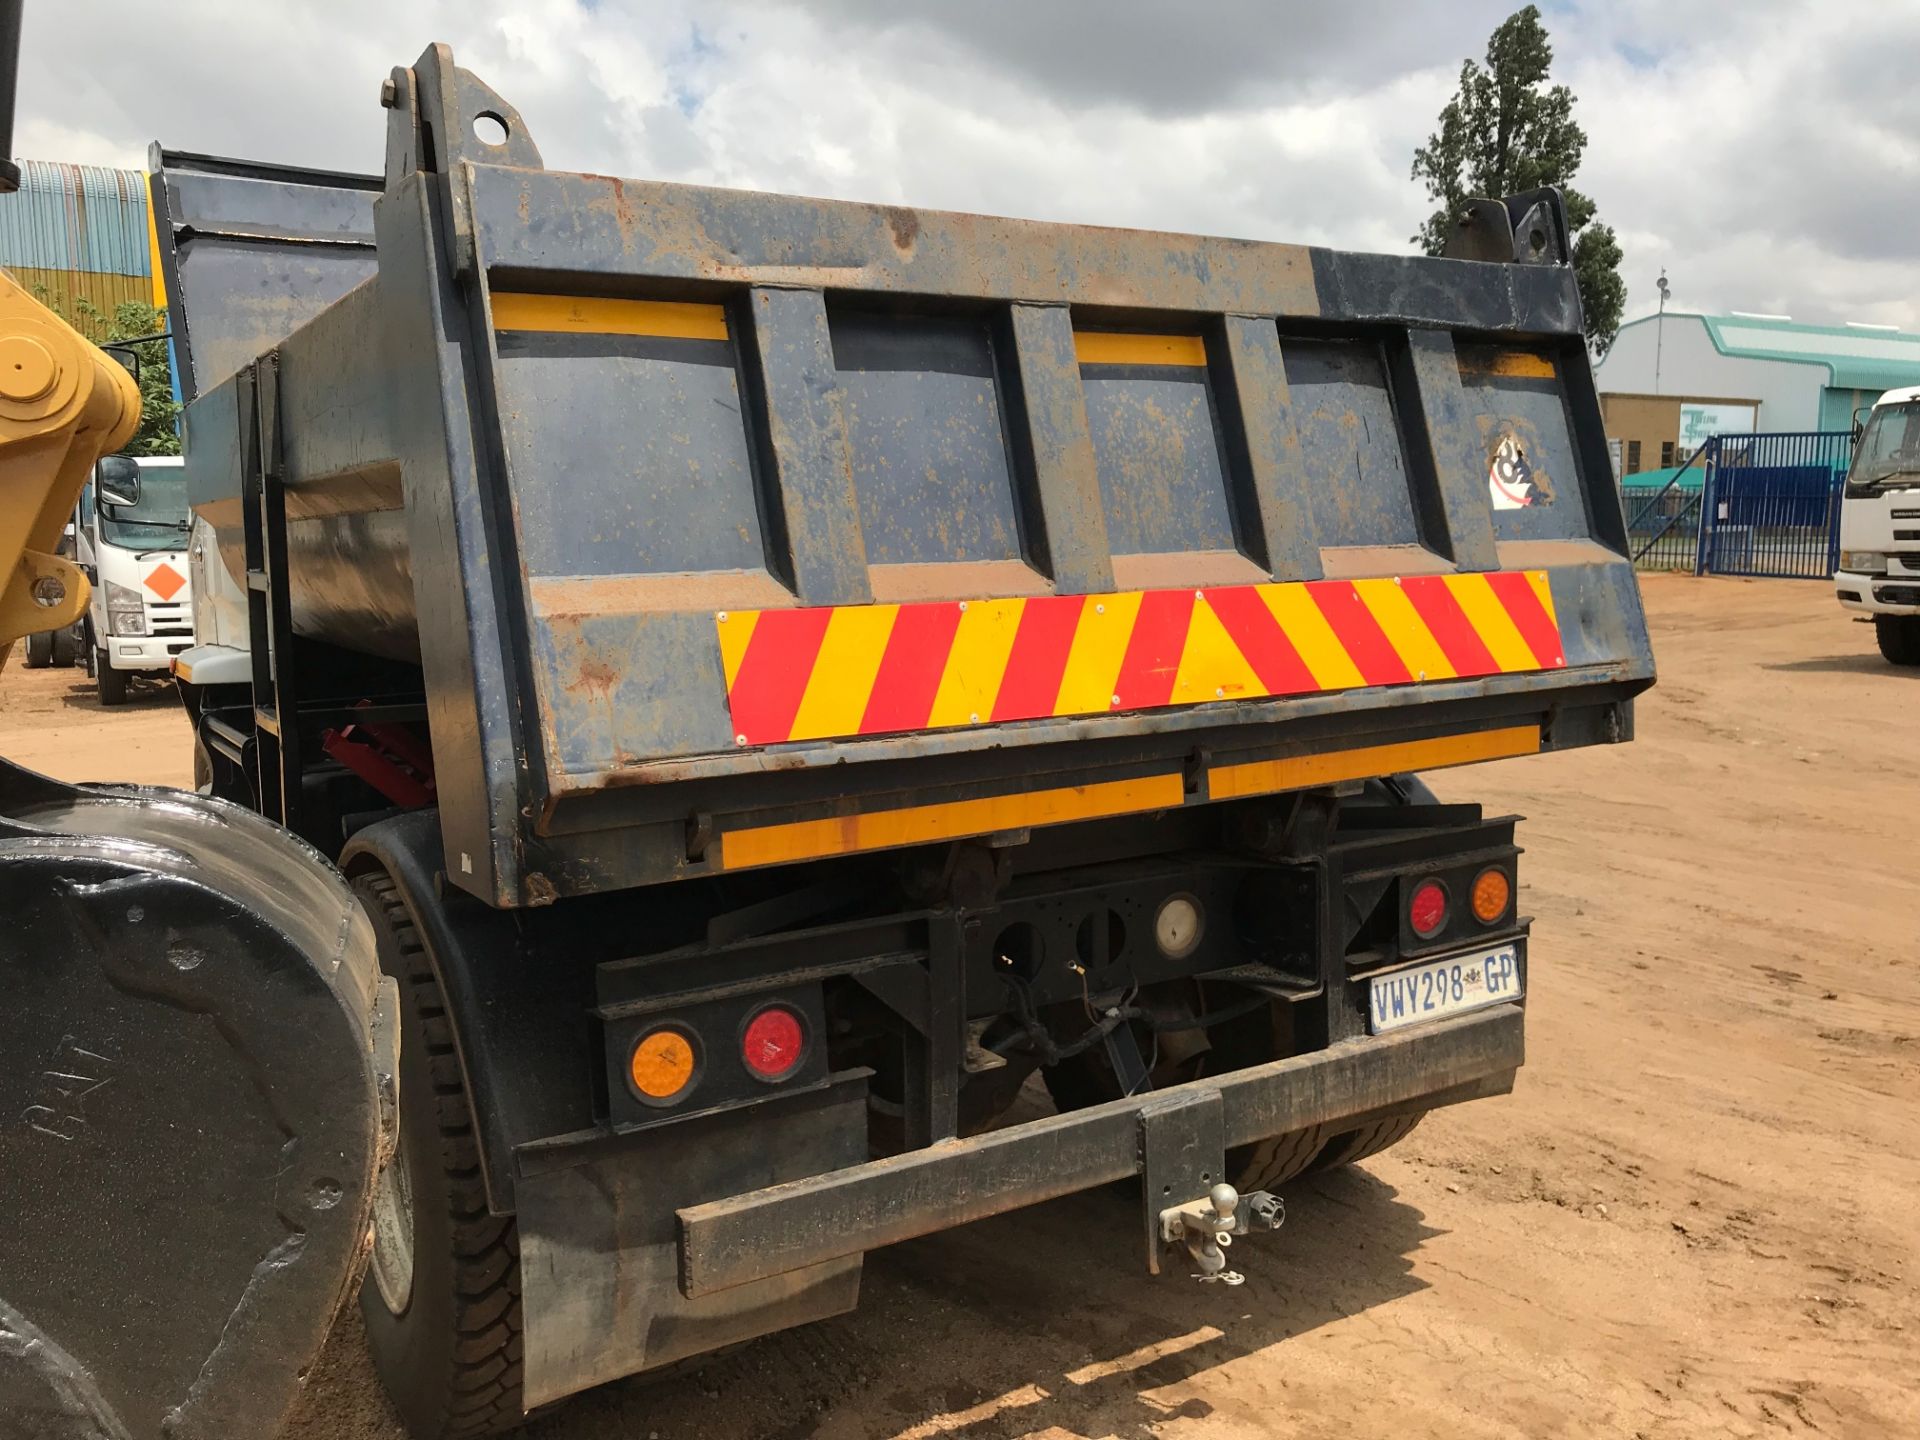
197, 1058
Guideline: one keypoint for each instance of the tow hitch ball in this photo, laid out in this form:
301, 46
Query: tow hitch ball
1208, 1226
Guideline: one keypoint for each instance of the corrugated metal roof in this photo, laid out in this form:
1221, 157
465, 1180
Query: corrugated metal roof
1856, 358
76, 217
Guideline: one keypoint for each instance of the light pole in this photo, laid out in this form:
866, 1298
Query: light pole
1660, 327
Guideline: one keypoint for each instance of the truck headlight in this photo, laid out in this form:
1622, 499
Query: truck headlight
126, 610
1865, 562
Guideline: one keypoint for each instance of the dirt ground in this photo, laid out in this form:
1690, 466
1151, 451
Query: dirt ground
1693, 1218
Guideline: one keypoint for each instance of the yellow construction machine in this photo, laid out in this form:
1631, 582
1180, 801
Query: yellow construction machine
196, 1048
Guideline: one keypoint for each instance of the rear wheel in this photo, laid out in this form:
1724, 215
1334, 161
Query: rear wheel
1253, 1039
1367, 1140
1899, 637
1274, 1162
66, 648
111, 684
442, 1296
39, 650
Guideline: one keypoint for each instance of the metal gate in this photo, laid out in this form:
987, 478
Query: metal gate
1771, 504
1758, 505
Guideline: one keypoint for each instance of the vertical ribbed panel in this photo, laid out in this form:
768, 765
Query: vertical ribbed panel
83, 218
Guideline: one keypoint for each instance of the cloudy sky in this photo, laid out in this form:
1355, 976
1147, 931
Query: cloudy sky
1767, 154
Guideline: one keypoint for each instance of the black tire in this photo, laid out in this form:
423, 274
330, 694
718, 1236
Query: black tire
1088, 1079
66, 648
1272, 1163
1899, 637
451, 1357
111, 684
1366, 1141
39, 651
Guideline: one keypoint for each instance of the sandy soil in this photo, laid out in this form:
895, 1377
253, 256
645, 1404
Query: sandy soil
1693, 1218
53, 722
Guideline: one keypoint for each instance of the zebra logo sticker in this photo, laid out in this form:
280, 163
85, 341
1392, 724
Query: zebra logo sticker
1511, 480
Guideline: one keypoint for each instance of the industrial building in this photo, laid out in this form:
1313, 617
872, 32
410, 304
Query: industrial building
1671, 381
80, 236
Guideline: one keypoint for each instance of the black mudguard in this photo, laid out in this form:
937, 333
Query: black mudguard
197, 1055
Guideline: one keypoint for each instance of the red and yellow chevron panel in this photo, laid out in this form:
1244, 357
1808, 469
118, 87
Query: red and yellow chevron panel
836, 672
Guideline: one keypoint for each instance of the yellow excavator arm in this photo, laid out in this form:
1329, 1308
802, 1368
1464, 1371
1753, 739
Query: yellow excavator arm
63, 404
198, 1047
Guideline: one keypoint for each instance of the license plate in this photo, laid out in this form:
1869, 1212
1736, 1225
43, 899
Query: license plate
1443, 987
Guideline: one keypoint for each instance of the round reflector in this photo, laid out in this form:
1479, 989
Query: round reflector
774, 1043
662, 1065
1178, 926
1492, 892
1427, 911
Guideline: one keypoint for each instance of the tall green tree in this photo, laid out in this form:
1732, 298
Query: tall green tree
134, 328
1507, 130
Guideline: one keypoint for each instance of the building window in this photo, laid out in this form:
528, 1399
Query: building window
1666, 454
1633, 457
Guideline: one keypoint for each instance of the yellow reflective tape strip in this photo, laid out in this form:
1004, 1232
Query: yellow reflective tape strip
1304, 772
1521, 364
587, 315
1211, 665
1491, 622
921, 824
1543, 587
1093, 662
843, 673
735, 631
153, 250
1300, 618
1412, 641
981, 644
1104, 347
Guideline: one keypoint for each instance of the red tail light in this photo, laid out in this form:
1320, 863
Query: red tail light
1427, 910
773, 1044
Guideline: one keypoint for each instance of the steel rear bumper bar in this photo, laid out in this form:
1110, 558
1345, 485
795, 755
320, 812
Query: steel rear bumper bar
784, 1228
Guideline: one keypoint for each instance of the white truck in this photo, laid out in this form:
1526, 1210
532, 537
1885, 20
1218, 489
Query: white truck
131, 527
1879, 574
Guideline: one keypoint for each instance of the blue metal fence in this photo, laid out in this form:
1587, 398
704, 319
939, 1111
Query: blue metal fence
1663, 520
1770, 504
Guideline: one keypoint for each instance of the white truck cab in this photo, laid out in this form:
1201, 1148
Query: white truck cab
131, 530
1879, 574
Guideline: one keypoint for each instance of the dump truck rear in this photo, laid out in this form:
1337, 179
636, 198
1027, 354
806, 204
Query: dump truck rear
851, 719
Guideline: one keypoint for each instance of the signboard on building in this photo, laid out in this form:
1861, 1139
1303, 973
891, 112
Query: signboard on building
1700, 422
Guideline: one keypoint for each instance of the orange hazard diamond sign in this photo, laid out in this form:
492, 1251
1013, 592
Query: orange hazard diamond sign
165, 581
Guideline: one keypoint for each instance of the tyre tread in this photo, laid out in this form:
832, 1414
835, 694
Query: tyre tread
1367, 1141
483, 1387
1899, 638
1273, 1162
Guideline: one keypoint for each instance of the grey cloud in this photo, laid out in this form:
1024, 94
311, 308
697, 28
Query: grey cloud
1183, 59
1766, 154
1771, 160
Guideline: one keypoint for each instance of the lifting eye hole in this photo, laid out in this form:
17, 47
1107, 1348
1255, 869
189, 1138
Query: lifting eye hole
490, 129
1020, 950
1086, 938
